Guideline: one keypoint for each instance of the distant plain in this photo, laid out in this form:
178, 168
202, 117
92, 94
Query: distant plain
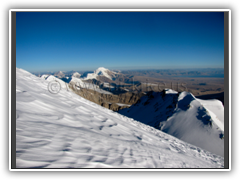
198, 82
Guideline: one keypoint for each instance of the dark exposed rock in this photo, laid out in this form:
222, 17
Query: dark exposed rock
108, 100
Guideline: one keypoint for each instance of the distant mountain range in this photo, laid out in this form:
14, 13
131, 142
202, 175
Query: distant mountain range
99, 87
104, 81
201, 72
100, 76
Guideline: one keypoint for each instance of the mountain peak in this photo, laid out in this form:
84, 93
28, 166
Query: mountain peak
101, 71
76, 74
102, 68
59, 74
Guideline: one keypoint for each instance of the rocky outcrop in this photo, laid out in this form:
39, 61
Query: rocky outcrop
108, 100
125, 98
113, 106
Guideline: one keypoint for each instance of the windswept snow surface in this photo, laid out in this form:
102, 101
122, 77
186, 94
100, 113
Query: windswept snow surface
65, 130
199, 122
216, 109
194, 123
51, 78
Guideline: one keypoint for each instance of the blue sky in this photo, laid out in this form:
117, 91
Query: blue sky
52, 41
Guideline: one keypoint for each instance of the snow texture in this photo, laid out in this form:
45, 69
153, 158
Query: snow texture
199, 122
64, 130
194, 123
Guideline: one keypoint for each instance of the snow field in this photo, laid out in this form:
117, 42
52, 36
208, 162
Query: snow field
198, 122
65, 130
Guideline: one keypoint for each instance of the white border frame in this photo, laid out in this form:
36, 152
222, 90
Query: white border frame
120, 10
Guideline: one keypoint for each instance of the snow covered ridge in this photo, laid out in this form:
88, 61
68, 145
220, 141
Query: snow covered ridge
78, 79
65, 130
199, 122
78, 84
101, 71
76, 75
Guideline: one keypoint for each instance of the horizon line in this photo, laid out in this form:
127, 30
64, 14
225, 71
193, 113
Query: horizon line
120, 69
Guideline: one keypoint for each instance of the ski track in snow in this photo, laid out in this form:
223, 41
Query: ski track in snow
65, 130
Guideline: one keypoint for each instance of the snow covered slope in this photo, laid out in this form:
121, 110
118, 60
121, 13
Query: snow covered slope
67, 131
101, 71
76, 74
199, 122
80, 83
51, 78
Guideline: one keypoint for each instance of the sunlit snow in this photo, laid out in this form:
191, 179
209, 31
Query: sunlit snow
64, 130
